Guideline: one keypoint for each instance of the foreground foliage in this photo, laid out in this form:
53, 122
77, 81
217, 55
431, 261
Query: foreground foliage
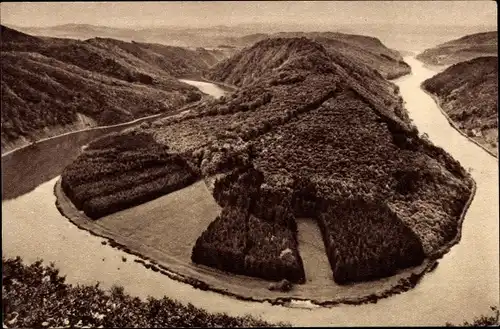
482, 321
36, 296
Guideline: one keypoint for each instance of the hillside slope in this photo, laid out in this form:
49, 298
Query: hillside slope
468, 93
225, 41
366, 50
49, 83
310, 133
209, 38
462, 49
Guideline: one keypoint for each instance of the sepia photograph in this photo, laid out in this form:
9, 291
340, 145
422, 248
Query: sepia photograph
249, 164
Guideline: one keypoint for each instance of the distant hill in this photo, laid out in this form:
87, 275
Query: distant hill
367, 50
468, 93
54, 83
311, 132
462, 49
182, 37
288, 55
220, 40
11, 36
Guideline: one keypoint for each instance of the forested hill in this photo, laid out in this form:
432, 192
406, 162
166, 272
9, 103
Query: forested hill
64, 83
309, 133
462, 49
367, 50
468, 92
292, 59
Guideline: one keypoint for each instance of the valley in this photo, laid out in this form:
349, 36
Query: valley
49, 84
249, 174
467, 257
467, 89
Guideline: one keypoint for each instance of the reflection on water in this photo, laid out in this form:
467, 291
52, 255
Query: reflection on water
28, 167
464, 285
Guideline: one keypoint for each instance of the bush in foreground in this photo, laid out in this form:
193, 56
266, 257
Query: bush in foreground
482, 321
36, 296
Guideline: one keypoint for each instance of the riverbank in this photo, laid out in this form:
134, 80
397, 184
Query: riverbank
15, 146
222, 85
248, 288
83, 123
453, 124
45, 161
436, 68
77, 128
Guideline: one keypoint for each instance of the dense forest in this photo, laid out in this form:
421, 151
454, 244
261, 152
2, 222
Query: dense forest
71, 84
462, 49
50, 82
133, 169
468, 93
310, 132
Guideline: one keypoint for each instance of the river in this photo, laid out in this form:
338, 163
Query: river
206, 87
464, 285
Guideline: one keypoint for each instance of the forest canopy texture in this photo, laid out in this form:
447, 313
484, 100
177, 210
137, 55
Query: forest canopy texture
468, 93
310, 132
50, 82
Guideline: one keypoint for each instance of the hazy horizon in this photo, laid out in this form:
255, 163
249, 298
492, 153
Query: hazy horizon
311, 14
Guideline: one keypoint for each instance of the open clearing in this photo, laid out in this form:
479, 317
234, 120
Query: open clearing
312, 251
171, 223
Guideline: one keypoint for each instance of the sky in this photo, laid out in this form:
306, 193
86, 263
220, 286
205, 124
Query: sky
211, 13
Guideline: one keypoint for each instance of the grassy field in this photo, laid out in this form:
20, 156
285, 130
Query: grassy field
171, 223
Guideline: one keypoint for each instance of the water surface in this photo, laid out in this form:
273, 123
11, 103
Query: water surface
206, 87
